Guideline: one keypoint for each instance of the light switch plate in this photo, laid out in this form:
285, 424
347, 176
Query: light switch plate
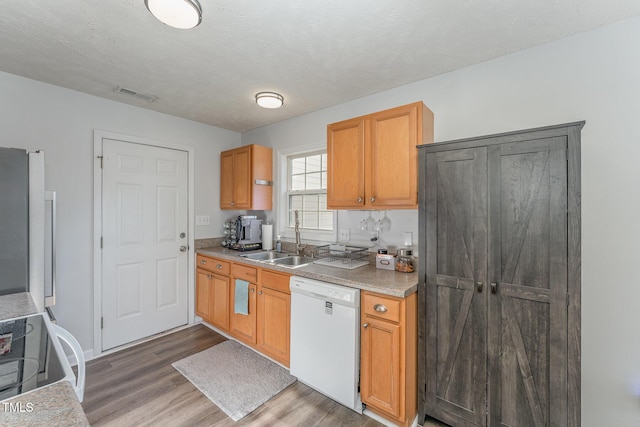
203, 220
343, 234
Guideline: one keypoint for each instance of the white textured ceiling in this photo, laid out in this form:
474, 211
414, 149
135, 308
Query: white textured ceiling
317, 53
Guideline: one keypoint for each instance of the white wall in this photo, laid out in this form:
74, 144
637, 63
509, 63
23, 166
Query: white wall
34, 115
595, 77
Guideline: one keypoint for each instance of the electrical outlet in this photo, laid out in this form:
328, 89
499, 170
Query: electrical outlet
343, 234
408, 238
203, 220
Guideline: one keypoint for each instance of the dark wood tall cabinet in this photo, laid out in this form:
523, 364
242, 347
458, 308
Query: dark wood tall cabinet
499, 292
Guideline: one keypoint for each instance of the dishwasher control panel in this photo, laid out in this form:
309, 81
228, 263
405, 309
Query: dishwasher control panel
328, 291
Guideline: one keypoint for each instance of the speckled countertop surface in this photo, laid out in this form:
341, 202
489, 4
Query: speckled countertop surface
367, 278
16, 305
52, 405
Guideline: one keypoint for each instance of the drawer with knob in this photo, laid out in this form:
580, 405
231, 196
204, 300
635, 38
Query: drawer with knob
383, 307
245, 272
213, 264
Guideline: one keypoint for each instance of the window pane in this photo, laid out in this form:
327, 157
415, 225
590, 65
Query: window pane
322, 202
297, 165
310, 202
313, 181
308, 174
297, 182
326, 220
313, 163
310, 220
295, 202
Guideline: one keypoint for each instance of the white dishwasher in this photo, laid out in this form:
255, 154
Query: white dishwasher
325, 339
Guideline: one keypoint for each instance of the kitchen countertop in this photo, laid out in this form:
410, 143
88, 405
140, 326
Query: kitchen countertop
16, 305
52, 405
368, 278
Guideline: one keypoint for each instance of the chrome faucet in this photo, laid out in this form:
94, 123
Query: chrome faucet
299, 246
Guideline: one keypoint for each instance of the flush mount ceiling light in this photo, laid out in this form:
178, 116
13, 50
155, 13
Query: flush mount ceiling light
269, 99
183, 14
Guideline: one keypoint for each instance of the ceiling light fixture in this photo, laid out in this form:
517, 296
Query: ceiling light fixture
269, 99
183, 14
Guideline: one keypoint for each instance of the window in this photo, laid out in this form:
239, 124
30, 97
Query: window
307, 191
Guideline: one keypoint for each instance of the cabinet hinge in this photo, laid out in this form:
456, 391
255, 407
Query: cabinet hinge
102, 323
567, 299
101, 242
101, 162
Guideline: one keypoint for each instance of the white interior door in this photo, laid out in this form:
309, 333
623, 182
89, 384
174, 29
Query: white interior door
144, 248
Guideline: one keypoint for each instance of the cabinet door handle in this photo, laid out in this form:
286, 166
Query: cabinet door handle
373, 199
365, 325
203, 262
260, 293
253, 290
359, 199
232, 203
380, 308
480, 286
209, 276
494, 288
219, 266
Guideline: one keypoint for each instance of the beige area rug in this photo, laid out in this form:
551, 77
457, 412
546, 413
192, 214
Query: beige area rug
234, 377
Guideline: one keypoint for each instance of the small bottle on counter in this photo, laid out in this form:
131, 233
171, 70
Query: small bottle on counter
278, 244
405, 262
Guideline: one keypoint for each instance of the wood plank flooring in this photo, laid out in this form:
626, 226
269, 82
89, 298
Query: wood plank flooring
139, 387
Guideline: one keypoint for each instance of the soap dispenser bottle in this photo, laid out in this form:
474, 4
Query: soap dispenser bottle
278, 244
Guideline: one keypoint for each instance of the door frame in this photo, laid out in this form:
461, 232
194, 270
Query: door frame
98, 137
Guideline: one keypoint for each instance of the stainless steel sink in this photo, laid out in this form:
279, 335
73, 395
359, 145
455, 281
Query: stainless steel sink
293, 261
265, 255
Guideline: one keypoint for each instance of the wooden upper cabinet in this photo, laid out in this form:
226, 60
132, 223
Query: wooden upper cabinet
373, 160
246, 175
345, 163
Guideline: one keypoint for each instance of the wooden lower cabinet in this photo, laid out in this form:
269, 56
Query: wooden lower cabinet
388, 369
220, 301
212, 298
244, 326
274, 316
203, 294
267, 326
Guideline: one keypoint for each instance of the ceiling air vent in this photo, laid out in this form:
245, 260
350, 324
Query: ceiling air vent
131, 92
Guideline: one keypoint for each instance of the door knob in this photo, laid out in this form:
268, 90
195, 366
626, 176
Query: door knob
365, 325
359, 199
183, 235
183, 248
373, 199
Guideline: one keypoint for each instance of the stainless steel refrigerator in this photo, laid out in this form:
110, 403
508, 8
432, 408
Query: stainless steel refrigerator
31, 355
27, 227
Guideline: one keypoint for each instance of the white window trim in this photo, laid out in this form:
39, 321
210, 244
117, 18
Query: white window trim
282, 222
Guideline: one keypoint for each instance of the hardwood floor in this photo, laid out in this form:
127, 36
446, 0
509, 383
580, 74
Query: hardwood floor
139, 387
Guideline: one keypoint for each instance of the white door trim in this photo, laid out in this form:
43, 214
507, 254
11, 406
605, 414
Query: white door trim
98, 137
